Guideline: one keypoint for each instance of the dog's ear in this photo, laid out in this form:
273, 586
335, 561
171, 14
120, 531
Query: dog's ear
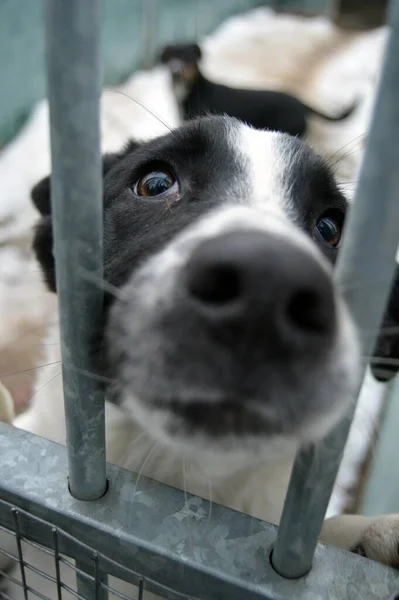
43, 233
40, 195
166, 53
41, 192
195, 52
385, 359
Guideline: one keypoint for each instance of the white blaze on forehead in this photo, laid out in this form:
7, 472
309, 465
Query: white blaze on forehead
265, 156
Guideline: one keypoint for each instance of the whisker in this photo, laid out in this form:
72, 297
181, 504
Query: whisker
125, 454
4, 375
37, 390
149, 110
343, 157
357, 139
91, 375
100, 283
143, 467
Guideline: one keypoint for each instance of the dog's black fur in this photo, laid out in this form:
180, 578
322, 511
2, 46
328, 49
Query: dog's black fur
276, 111
135, 228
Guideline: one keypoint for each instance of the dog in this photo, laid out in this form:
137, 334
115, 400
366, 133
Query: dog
226, 343
277, 111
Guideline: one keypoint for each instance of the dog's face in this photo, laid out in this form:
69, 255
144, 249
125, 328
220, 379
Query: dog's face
227, 334
182, 61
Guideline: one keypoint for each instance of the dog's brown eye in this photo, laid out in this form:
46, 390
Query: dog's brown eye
330, 230
156, 183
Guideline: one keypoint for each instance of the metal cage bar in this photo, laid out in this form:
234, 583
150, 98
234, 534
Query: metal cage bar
74, 91
365, 263
383, 474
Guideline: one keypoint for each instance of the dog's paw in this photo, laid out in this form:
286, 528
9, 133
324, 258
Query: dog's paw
6, 405
380, 541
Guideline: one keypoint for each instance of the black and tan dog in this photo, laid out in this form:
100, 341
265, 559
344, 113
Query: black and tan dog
276, 111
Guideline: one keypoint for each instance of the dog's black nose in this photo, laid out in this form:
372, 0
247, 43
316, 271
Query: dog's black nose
263, 284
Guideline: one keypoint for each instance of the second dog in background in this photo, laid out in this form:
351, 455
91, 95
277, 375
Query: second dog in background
263, 109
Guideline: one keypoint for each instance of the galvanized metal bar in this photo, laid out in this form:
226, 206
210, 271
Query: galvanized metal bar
367, 256
381, 493
147, 538
57, 564
74, 88
89, 586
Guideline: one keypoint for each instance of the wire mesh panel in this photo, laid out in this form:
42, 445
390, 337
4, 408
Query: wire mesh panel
58, 573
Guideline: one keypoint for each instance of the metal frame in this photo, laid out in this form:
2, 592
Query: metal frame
131, 531
74, 91
137, 531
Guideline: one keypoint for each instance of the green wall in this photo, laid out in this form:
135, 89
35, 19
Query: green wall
132, 30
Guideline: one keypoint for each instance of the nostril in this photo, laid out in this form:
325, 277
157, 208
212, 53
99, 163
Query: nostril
309, 311
214, 283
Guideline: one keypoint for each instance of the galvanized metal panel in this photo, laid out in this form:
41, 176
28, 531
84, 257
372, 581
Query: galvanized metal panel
145, 529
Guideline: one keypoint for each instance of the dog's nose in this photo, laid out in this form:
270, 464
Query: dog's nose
265, 284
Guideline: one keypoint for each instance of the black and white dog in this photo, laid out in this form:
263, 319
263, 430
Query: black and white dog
227, 343
197, 96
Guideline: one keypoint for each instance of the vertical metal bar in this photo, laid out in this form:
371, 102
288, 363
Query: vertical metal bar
99, 578
57, 564
367, 256
74, 87
20, 553
141, 589
89, 579
381, 493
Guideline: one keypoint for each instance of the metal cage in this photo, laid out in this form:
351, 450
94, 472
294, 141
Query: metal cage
84, 524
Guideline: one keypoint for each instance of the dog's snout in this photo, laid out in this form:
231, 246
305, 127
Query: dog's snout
264, 284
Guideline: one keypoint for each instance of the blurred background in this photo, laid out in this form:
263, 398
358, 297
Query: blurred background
133, 30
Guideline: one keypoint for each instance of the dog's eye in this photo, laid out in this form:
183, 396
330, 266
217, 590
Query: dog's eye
330, 230
156, 183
